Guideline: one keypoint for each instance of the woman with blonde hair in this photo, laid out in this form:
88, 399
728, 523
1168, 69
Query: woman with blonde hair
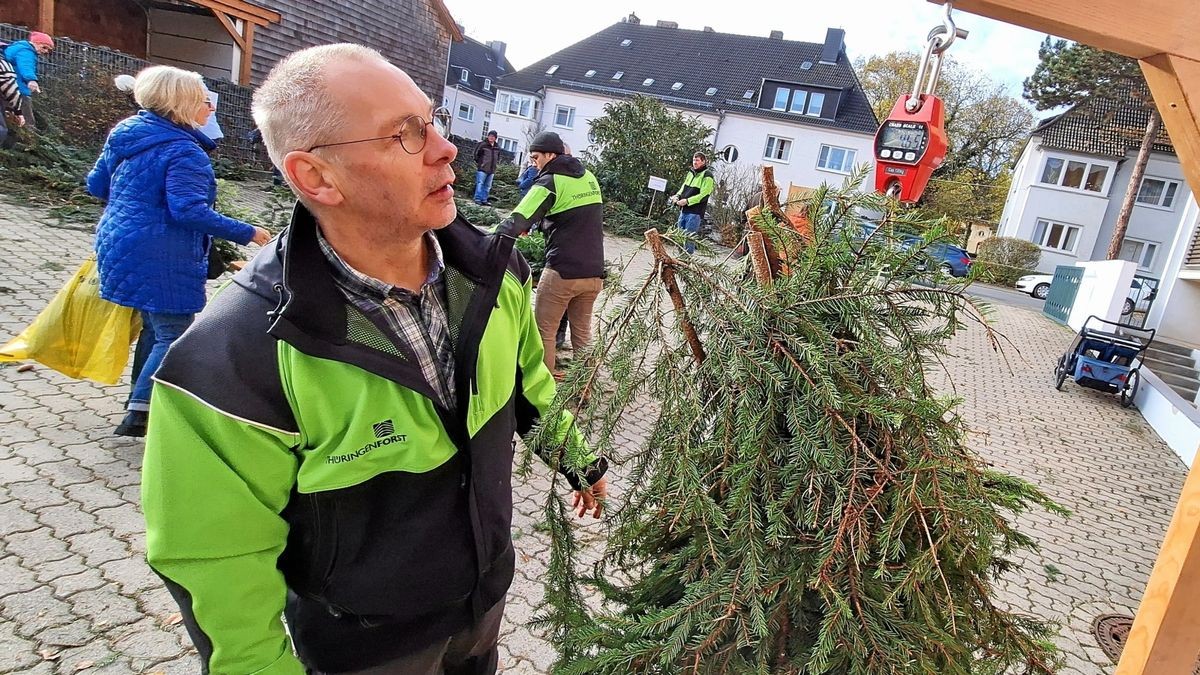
153, 241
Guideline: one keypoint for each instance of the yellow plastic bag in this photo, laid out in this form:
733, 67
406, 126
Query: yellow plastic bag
79, 334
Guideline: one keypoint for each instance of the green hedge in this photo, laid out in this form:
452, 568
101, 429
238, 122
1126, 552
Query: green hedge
1003, 260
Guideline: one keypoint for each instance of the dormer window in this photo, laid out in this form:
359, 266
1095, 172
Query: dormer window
677, 86
617, 75
487, 84
464, 76
648, 81
552, 69
590, 73
711, 91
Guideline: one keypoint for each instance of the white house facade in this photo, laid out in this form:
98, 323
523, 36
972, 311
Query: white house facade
796, 106
1068, 186
470, 90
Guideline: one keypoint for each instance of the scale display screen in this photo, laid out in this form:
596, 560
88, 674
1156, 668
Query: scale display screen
901, 138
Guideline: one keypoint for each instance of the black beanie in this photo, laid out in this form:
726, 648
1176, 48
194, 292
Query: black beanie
548, 141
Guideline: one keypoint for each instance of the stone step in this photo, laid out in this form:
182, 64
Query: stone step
1187, 394
1177, 381
1164, 346
1161, 368
1170, 357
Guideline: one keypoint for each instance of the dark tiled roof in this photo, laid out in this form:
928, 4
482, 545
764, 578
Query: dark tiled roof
479, 60
1103, 126
734, 64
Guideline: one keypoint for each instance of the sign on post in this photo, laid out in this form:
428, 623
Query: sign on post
658, 184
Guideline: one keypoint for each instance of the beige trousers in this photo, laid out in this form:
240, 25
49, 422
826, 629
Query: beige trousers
575, 298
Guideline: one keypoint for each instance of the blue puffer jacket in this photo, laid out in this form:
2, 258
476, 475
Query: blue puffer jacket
24, 60
153, 239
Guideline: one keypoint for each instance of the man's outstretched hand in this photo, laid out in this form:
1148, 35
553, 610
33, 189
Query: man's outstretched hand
591, 499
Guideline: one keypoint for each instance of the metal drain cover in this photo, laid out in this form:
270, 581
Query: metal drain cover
1112, 631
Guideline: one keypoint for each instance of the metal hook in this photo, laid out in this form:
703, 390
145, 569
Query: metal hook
933, 53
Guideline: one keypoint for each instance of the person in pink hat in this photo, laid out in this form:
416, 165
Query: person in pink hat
23, 55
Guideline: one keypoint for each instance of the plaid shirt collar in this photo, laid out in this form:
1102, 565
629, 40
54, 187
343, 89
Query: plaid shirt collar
370, 286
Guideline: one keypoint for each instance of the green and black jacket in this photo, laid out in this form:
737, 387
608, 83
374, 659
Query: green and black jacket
297, 456
695, 189
566, 198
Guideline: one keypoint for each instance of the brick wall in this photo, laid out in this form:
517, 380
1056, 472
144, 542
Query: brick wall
409, 33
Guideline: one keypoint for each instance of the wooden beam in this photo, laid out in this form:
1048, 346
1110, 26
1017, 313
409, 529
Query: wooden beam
1164, 639
46, 16
1139, 29
247, 55
243, 10
238, 40
1175, 83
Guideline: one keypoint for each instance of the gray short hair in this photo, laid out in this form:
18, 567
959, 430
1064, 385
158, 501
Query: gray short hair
293, 108
173, 93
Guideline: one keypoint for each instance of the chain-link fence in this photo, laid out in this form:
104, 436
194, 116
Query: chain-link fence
73, 66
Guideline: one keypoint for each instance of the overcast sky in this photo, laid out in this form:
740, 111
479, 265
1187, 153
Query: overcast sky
533, 30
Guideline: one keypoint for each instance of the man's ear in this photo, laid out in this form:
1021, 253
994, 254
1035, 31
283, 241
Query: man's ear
313, 178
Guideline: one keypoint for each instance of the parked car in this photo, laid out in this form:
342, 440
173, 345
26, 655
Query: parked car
951, 260
1141, 291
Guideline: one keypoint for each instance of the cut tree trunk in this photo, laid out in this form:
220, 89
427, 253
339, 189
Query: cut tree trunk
1135, 185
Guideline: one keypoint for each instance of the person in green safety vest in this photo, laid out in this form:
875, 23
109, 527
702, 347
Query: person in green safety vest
566, 198
692, 198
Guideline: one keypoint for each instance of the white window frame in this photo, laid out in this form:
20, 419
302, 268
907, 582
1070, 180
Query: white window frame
808, 111
618, 75
470, 117
487, 84
772, 146
1042, 240
509, 144
1167, 183
464, 75
787, 96
504, 104
849, 157
570, 116
1151, 246
1088, 167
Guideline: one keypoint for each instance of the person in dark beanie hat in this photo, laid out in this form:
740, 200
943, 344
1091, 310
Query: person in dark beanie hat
487, 156
566, 198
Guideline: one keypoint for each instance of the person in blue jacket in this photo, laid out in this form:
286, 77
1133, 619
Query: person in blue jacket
23, 55
152, 243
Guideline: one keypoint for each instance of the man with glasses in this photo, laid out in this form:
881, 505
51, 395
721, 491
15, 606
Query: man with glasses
566, 200
332, 439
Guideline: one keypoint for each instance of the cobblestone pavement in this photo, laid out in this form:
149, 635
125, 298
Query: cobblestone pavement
76, 595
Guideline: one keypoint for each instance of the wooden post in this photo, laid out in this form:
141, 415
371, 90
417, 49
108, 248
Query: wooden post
46, 16
1165, 639
667, 271
247, 52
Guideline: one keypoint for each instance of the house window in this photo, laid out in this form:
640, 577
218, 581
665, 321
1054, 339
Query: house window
464, 76
816, 101
1158, 192
797, 102
677, 86
590, 73
781, 98
778, 149
466, 112
617, 75
710, 91
552, 69
838, 160
591, 136
748, 95
1140, 252
1075, 174
487, 84
626, 43
486, 123
511, 104
564, 116
1056, 236
648, 81
507, 144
